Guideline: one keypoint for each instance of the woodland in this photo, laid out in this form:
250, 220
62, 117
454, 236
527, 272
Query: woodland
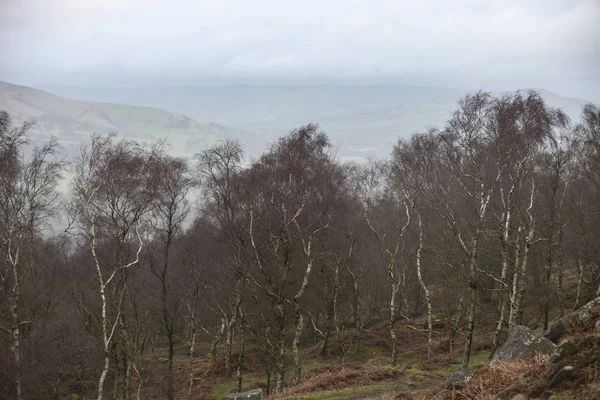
148, 270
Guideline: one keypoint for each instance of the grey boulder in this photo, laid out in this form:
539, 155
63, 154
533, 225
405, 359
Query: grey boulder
584, 317
522, 343
460, 379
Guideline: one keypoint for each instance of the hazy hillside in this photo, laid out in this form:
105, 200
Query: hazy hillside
73, 121
359, 119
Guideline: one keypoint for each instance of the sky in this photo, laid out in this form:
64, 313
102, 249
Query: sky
494, 45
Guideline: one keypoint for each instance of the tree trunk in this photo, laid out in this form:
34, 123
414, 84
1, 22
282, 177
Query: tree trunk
228, 346
106, 343
498, 331
455, 323
425, 290
280, 360
504, 237
392, 323
15, 345
559, 287
521, 293
336, 290
579, 279
296, 343
240, 365
472, 308
356, 312
550, 265
519, 282
327, 334
168, 325
192, 348
126, 348
217, 339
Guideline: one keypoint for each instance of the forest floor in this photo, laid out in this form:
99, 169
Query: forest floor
369, 374
345, 373
366, 374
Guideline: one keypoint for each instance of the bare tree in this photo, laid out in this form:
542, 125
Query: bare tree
27, 199
388, 220
295, 185
169, 213
113, 190
219, 167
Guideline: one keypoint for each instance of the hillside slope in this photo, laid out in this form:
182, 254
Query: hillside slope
360, 120
72, 121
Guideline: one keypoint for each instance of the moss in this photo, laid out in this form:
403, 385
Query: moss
72, 397
351, 393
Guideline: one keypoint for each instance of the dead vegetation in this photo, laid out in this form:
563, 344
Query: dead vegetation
333, 377
536, 377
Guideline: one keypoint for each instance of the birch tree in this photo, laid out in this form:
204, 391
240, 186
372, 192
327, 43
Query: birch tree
113, 190
171, 207
295, 185
388, 219
27, 199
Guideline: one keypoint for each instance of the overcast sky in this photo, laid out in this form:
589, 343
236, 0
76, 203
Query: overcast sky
499, 44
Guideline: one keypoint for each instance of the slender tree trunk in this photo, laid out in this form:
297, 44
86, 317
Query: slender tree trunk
498, 330
549, 266
327, 334
521, 293
168, 325
192, 348
140, 382
231, 327
455, 323
228, 346
170, 383
103, 374
392, 323
472, 308
425, 289
15, 345
240, 365
521, 260
127, 378
295, 344
280, 361
579, 278
106, 343
336, 290
217, 339
559, 287
268, 382
504, 237
357, 319
126, 349
104, 318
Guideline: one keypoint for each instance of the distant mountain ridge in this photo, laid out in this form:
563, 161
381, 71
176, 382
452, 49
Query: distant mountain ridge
360, 120
72, 121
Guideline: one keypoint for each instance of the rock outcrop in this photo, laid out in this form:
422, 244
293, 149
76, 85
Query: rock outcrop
460, 379
584, 319
522, 343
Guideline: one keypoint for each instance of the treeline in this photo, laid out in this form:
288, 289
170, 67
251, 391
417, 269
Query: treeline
483, 220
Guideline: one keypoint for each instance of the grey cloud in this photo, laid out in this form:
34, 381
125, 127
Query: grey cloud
461, 42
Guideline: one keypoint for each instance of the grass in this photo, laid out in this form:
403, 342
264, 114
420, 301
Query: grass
382, 390
477, 360
366, 374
